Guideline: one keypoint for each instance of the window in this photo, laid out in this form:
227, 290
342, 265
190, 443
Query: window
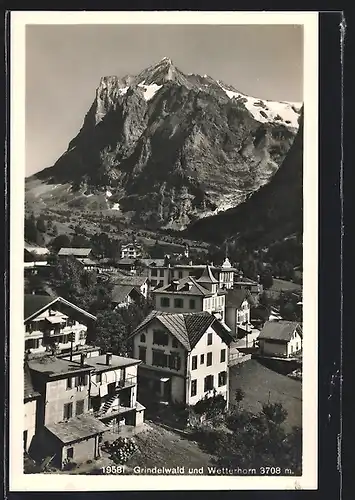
160, 337
154, 272
154, 283
209, 339
79, 409
194, 363
82, 335
80, 380
71, 322
193, 387
160, 359
142, 337
174, 361
180, 275
33, 343
296, 346
179, 303
161, 273
70, 453
29, 327
69, 383
165, 302
209, 359
98, 378
223, 355
65, 339
202, 359
222, 379
175, 342
68, 411
192, 303
142, 354
208, 386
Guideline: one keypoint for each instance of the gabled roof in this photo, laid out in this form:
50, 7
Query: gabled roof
187, 328
80, 252
35, 304
207, 276
279, 330
121, 292
153, 262
236, 297
185, 286
29, 392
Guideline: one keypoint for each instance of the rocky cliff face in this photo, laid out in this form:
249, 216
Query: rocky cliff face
169, 148
272, 213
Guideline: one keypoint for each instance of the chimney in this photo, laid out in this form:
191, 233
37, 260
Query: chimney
82, 358
108, 358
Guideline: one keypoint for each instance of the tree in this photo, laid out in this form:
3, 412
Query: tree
79, 241
111, 332
41, 225
61, 241
266, 279
55, 230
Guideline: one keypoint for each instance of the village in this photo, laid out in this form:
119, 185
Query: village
199, 343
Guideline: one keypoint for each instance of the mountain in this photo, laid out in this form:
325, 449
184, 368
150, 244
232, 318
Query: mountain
274, 212
165, 149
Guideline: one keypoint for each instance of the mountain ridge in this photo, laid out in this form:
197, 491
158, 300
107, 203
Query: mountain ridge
169, 147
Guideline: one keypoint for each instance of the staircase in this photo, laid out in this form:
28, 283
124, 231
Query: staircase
107, 405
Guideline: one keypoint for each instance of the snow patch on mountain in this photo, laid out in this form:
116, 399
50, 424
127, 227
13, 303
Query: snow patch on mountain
149, 90
268, 111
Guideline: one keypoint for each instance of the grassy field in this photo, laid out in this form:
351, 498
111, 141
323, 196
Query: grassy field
262, 385
280, 285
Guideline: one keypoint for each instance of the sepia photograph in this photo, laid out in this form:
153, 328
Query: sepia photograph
163, 293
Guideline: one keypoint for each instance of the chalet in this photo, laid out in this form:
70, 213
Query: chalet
140, 283
184, 357
82, 255
53, 322
34, 252
64, 430
243, 283
191, 295
280, 338
238, 312
30, 409
124, 295
131, 251
127, 265
113, 391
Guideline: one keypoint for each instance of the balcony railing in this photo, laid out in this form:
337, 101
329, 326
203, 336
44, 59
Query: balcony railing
127, 382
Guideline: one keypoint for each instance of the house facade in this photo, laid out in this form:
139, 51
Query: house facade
192, 295
238, 312
78, 401
54, 322
30, 409
113, 391
280, 338
131, 251
184, 356
124, 295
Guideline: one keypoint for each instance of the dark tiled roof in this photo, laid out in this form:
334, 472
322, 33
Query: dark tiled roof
34, 303
278, 330
188, 328
185, 286
29, 392
120, 293
207, 276
235, 297
77, 252
77, 428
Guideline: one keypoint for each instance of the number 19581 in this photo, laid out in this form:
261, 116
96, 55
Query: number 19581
112, 469
274, 471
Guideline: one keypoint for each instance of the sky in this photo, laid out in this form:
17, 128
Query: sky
64, 64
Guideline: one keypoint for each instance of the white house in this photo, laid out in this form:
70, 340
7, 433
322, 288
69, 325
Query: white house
131, 251
53, 322
191, 295
280, 338
184, 357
